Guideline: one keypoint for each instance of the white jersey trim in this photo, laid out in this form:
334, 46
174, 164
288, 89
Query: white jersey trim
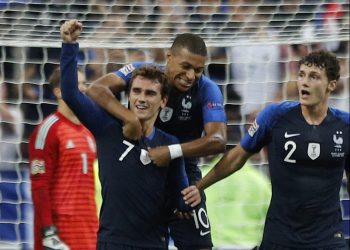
44, 130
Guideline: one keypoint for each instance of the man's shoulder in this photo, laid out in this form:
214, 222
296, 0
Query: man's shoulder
45, 129
341, 115
279, 108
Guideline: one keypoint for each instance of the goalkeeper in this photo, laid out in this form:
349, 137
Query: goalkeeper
61, 154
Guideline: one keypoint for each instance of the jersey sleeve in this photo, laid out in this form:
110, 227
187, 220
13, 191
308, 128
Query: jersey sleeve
126, 71
178, 180
88, 112
212, 102
259, 132
43, 157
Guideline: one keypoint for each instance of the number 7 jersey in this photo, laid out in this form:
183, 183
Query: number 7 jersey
306, 164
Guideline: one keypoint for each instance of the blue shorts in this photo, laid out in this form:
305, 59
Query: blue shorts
192, 233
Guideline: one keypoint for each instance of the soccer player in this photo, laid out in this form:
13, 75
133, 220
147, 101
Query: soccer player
308, 147
61, 154
195, 106
134, 190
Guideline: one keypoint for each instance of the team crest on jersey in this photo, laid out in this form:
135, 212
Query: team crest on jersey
37, 166
253, 128
314, 150
127, 69
144, 157
186, 102
338, 142
166, 114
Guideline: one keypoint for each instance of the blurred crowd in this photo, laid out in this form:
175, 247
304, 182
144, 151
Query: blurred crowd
250, 75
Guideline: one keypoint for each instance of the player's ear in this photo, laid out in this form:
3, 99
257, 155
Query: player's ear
168, 54
332, 85
164, 101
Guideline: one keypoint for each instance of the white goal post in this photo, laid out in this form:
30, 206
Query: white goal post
254, 46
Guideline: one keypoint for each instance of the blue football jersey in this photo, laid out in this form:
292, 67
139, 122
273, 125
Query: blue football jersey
135, 192
186, 112
306, 165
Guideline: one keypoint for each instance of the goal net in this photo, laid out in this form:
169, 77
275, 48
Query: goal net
254, 46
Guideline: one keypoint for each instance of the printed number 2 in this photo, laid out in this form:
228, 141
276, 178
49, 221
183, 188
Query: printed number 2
130, 146
293, 148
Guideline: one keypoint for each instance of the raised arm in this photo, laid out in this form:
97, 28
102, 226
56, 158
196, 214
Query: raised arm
82, 106
86, 110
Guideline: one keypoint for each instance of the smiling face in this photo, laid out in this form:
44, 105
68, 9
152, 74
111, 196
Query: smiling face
313, 85
145, 98
184, 68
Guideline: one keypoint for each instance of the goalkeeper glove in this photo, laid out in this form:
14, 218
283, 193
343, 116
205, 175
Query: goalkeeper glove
51, 241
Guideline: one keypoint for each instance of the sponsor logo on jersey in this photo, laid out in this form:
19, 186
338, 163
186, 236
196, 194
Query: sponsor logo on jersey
166, 114
202, 233
144, 157
338, 148
314, 150
253, 128
127, 69
286, 135
70, 144
37, 166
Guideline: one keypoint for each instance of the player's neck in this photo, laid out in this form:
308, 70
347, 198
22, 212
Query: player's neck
67, 112
314, 115
147, 127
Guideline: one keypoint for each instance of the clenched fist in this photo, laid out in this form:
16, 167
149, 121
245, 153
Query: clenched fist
70, 31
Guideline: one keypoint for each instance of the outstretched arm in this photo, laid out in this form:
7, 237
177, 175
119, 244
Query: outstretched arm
231, 162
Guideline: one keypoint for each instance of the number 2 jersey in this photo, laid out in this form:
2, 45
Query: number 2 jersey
61, 164
134, 210
306, 165
186, 112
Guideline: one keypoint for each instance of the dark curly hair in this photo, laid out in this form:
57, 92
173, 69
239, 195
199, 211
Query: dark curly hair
324, 60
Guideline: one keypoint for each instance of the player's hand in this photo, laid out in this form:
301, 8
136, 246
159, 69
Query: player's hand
160, 156
132, 129
51, 241
70, 31
192, 196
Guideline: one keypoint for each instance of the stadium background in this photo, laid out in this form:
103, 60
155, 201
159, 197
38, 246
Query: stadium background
254, 46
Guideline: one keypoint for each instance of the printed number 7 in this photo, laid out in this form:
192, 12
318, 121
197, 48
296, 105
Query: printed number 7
130, 146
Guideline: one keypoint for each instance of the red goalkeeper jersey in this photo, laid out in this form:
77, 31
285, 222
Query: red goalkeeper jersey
61, 156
